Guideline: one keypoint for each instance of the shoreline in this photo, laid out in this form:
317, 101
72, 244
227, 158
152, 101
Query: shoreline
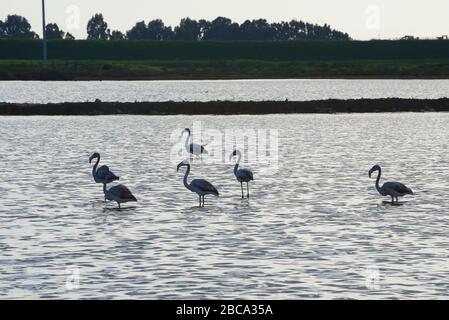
226, 107
58, 76
224, 77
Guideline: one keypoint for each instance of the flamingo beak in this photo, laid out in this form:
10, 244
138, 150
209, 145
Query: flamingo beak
369, 173
90, 159
179, 166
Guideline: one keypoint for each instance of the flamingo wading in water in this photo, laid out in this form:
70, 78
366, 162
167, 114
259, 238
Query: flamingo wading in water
199, 186
193, 148
119, 194
102, 174
393, 189
242, 174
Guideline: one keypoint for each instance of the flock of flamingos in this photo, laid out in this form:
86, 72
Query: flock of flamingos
202, 187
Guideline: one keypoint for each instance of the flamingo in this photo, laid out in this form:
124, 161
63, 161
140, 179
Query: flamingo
242, 175
393, 189
199, 186
193, 148
119, 194
102, 174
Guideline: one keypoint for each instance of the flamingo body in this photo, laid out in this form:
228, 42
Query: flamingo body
119, 194
393, 189
203, 187
242, 174
199, 186
196, 149
102, 174
193, 148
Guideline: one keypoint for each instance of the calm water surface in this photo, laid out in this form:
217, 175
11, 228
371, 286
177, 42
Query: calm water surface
211, 90
313, 229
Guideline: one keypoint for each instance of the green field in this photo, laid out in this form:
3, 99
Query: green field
236, 69
20, 59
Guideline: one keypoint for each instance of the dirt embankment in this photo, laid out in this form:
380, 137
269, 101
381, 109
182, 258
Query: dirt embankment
227, 107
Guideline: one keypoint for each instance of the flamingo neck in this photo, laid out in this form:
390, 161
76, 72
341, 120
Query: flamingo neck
94, 169
378, 179
186, 184
236, 167
187, 141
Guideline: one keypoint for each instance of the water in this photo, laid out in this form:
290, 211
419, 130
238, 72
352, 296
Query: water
210, 90
314, 229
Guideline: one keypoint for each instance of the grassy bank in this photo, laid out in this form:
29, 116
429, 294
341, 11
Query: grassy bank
117, 60
232, 69
228, 107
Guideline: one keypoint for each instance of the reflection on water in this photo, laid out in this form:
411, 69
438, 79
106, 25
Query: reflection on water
314, 229
211, 90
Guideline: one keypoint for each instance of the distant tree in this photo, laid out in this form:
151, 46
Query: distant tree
297, 30
188, 29
117, 35
338, 35
168, 33
342, 36
97, 28
2, 30
138, 32
246, 30
52, 31
324, 32
222, 29
204, 26
16, 26
265, 30
156, 30
310, 31
281, 31
257, 30
69, 36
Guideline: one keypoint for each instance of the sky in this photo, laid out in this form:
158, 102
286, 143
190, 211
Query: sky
362, 19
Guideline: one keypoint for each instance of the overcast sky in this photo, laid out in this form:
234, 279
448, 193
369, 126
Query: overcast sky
362, 19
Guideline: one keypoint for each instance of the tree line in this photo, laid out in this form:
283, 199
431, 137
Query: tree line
220, 28
18, 27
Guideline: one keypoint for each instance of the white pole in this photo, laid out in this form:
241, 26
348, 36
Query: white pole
44, 36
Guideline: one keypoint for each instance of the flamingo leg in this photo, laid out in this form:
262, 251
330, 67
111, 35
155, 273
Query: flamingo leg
241, 185
199, 196
203, 201
247, 189
119, 205
392, 199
